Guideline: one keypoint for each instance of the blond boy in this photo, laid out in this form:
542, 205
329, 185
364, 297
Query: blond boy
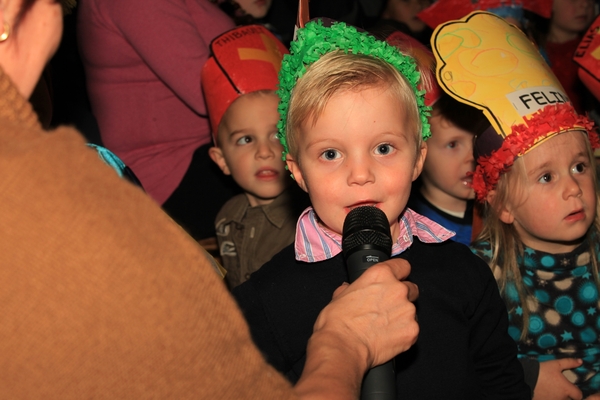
353, 127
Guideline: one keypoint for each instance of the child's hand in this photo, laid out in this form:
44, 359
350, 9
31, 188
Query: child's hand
595, 396
552, 384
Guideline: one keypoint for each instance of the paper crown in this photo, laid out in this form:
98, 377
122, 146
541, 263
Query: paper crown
244, 60
587, 56
321, 36
446, 10
424, 58
485, 62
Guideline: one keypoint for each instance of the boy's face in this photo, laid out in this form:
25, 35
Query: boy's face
359, 152
449, 159
572, 16
555, 205
249, 149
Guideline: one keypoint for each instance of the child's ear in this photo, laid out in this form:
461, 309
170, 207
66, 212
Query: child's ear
294, 168
216, 154
419, 161
504, 214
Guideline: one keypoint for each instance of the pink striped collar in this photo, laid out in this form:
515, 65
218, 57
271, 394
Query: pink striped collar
314, 242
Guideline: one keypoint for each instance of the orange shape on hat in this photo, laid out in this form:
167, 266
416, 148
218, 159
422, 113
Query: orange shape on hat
244, 60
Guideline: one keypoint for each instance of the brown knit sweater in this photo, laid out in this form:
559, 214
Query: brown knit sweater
101, 295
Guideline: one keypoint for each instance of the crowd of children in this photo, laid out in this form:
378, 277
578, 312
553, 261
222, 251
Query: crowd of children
356, 130
481, 139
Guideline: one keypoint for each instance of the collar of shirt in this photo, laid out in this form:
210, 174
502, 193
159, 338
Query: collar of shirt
314, 242
276, 212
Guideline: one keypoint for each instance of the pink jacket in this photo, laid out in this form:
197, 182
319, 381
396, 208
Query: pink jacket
143, 60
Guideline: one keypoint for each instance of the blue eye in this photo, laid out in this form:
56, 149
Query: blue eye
244, 140
384, 148
330, 154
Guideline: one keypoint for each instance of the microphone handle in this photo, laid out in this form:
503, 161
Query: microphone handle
379, 382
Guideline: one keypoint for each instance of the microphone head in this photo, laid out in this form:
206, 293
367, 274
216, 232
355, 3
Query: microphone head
366, 227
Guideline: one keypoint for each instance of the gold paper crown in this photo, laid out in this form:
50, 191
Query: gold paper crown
486, 63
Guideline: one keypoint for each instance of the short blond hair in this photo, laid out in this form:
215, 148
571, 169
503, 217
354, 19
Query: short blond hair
339, 71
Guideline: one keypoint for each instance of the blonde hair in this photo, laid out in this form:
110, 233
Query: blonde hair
506, 243
339, 71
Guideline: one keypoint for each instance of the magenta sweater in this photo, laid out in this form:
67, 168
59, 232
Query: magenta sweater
143, 60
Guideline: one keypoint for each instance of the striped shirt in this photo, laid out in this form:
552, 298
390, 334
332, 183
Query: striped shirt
314, 242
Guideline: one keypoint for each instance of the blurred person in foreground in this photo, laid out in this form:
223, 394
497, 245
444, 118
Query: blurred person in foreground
104, 296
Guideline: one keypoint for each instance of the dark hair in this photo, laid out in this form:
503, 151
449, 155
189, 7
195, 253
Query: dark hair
536, 28
461, 115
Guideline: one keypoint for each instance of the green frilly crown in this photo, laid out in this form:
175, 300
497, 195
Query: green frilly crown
315, 40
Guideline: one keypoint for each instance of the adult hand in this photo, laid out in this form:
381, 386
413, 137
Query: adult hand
552, 384
375, 315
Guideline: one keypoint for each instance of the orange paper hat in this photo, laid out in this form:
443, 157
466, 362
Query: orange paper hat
587, 57
425, 60
244, 60
487, 63
445, 10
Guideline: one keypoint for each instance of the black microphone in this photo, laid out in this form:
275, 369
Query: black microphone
366, 240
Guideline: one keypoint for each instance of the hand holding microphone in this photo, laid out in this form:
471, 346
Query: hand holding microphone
366, 242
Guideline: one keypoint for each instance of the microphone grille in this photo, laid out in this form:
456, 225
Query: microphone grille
366, 225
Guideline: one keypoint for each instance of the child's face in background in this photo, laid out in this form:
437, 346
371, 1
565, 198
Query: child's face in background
406, 11
571, 17
256, 8
449, 159
554, 206
359, 152
249, 149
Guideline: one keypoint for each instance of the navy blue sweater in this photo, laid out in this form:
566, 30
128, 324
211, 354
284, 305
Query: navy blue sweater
463, 350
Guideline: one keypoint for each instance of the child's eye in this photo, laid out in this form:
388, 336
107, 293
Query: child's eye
546, 178
579, 168
244, 140
330, 154
384, 149
451, 145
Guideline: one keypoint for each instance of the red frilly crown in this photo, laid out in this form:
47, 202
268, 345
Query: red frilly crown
545, 123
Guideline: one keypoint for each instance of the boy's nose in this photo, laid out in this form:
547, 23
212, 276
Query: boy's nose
469, 156
360, 172
264, 150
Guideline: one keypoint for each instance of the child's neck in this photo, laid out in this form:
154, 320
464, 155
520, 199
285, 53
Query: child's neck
555, 247
557, 35
257, 202
449, 204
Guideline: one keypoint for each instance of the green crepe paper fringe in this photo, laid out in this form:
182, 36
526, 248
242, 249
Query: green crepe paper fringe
315, 40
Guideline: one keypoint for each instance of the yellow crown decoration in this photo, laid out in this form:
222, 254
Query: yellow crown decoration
487, 63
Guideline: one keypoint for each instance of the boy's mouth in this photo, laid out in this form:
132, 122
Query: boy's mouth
367, 203
266, 173
466, 180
